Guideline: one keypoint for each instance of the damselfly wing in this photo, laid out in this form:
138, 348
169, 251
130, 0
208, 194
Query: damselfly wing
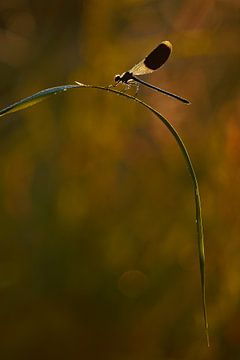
154, 60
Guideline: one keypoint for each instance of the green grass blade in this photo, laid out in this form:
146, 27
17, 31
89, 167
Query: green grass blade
199, 223
35, 98
44, 94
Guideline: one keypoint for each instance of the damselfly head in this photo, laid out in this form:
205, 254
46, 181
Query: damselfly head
117, 78
126, 77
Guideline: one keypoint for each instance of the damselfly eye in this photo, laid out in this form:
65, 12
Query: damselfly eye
117, 78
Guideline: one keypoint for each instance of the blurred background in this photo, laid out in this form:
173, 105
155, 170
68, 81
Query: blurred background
98, 251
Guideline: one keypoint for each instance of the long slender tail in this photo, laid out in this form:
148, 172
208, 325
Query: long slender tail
185, 101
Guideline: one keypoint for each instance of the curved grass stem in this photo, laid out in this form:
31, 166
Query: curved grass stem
199, 223
44, 94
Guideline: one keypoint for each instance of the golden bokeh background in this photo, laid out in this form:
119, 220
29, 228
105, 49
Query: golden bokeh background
98, 252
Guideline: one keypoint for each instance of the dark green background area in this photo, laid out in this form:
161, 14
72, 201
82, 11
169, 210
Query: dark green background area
98, 251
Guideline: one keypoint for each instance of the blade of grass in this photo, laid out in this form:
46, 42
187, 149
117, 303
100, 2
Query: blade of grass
45, 94
199, 223
35, 98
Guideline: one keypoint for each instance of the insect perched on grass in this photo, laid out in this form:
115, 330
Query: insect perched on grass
152, 62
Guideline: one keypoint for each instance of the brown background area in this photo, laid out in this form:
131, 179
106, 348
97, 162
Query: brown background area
98, 254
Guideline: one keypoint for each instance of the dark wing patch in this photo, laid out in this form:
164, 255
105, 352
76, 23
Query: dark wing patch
158, 56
